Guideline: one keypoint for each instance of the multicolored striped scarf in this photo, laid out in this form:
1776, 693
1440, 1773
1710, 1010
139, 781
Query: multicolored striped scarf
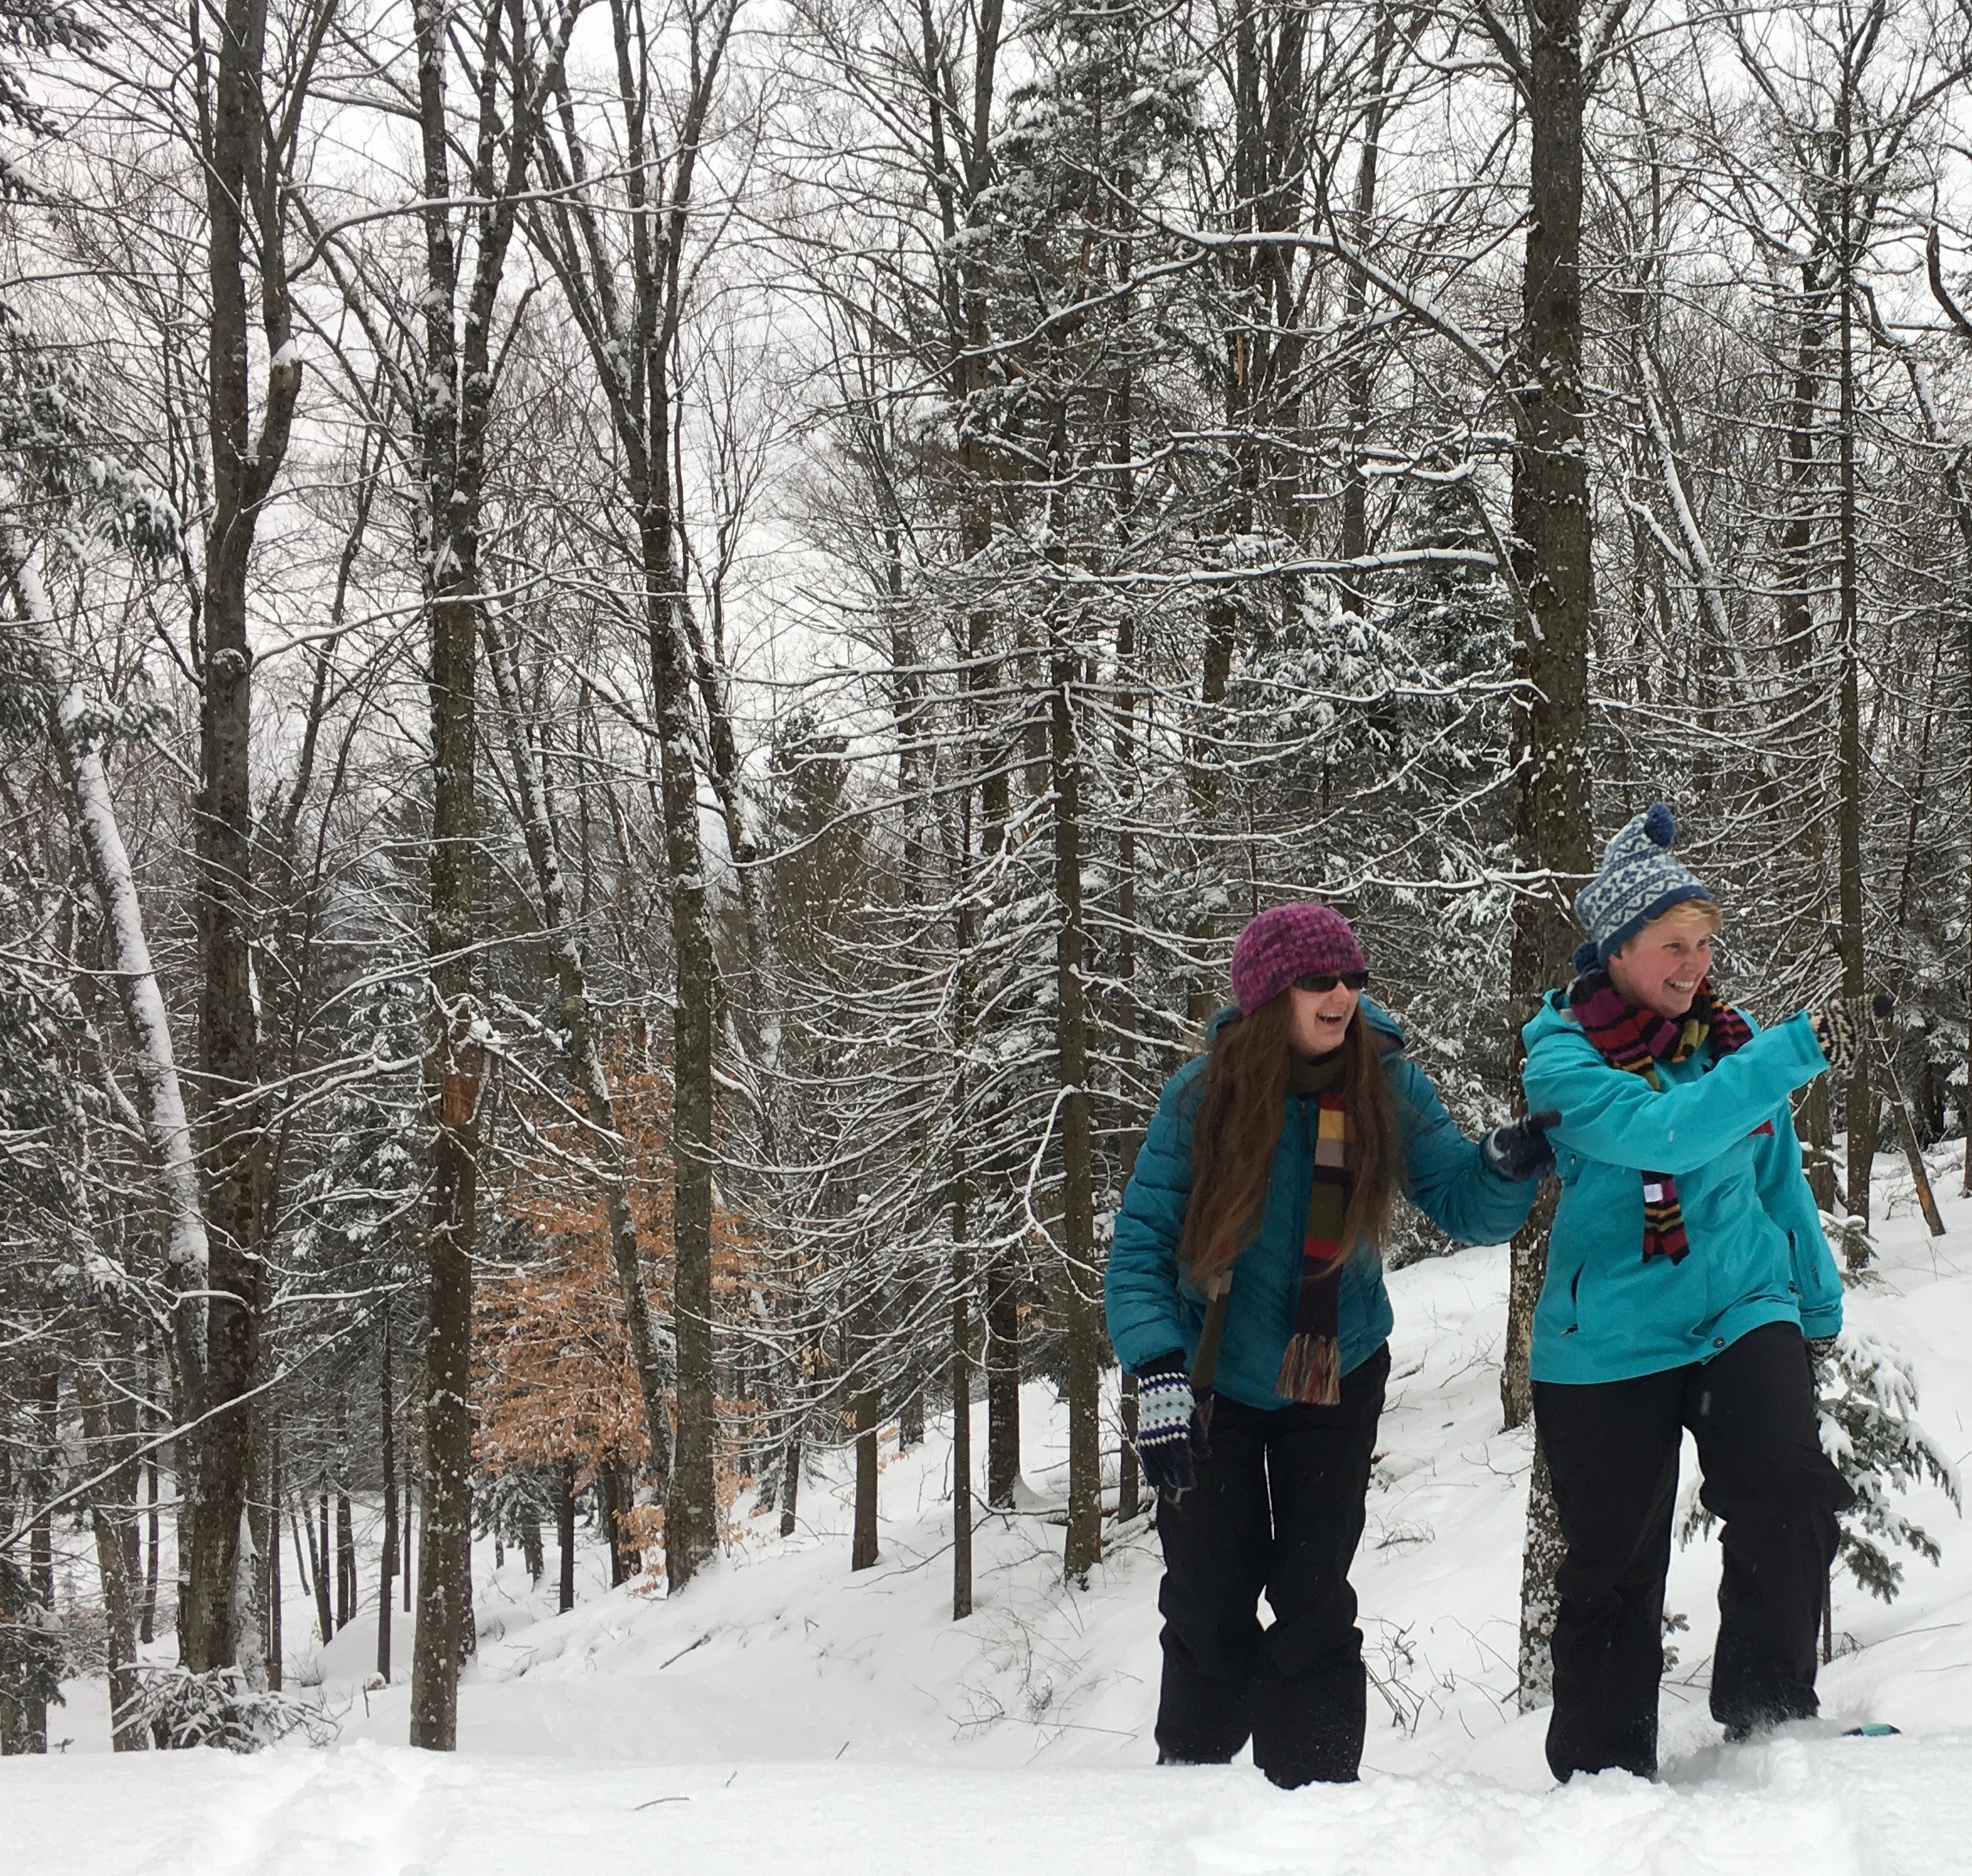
1636, 1040
1311, 1367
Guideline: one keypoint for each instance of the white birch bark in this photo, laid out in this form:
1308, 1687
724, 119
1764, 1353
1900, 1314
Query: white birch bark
161, 1100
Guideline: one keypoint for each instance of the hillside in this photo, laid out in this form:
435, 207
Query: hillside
784, 1709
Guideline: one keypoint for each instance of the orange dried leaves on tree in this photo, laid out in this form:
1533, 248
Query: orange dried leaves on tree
555, 1380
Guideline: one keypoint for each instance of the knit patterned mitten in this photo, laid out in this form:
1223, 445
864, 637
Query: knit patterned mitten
1164, 1426
1840, 1025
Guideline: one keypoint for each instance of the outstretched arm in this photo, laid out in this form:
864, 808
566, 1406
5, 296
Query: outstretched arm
1617, 1117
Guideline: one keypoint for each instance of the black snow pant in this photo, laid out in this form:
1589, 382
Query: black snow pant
1612, 1450
1278, 1507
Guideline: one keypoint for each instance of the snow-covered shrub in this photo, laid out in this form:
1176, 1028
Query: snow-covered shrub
179, 1710
1869, 1396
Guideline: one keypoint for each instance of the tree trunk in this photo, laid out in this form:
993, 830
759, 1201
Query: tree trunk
387, 1565
1540, 1558
409, 1473
244, 210
790, 1483
868, 1416
691, 1506
318, 1557
1528, 1270
120, 1609
961, 1413
1817, 1136
565, 1535
1859, 1100
1003, 1308
459, 375
41, 1539
1552, 524
295, 1527
147, 1624
446, 1557
1080, 1283
271, 1522
346, 1592
608, 1505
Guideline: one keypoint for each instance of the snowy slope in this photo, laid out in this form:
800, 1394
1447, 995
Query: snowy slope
785, 1711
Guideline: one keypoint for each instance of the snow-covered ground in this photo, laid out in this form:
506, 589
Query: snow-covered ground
785, 1713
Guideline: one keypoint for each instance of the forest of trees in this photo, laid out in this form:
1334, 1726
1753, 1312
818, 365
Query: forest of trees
652, 649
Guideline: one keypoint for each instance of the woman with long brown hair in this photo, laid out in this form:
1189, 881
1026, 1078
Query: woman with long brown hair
1245, 1293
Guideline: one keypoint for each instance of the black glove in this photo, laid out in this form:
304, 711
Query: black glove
1165, 1413
1519, 1149
1840, 1024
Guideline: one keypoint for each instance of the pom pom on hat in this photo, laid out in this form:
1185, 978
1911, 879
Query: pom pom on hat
1659, 825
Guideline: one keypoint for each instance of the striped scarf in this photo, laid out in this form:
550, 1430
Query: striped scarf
1636, 1041
1311, 1367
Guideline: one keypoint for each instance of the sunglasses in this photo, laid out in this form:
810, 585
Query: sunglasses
1319, 981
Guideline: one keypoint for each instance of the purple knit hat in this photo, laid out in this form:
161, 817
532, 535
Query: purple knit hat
1287, 942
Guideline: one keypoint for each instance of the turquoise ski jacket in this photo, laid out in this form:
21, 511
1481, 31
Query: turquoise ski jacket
1154, 1309
1723, 1128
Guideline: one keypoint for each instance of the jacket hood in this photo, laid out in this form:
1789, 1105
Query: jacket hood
1551, 1016
1389, 1032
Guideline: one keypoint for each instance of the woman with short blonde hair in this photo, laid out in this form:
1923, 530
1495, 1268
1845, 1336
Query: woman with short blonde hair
1686, 1271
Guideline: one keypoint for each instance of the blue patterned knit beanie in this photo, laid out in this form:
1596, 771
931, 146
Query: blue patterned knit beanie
1639, 881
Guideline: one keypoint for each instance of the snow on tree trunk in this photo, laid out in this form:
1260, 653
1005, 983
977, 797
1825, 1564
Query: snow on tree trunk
1552, 574
1541, 1558
459, 377
1002, 1315
249, 1614
1080, 1282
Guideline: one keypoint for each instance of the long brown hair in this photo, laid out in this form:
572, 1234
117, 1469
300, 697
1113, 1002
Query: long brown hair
1238, 1128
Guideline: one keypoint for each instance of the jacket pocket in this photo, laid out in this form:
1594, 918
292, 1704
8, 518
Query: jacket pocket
1805, 1274
1559, 1311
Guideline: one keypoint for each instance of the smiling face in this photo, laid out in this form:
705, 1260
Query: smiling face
1321, 1018
1662, 967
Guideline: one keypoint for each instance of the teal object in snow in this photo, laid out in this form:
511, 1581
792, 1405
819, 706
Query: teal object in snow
1723, 1128
1154, 1309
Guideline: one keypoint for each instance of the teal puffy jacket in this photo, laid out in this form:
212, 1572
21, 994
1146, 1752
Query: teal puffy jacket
1723, 1128
1153, 1308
